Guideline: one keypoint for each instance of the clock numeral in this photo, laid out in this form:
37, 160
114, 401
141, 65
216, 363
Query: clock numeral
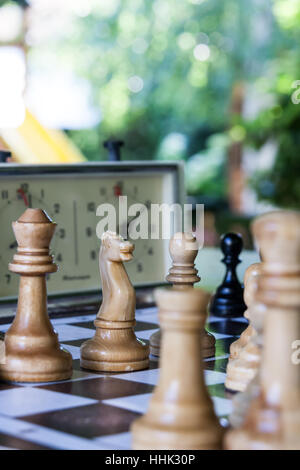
93, 254
56, 207
148, 204
102, 191
59, 257
42, 194
8, 278
91, 207
150, 251
139, 267
25, 187
88, 231
4, 194
61, 233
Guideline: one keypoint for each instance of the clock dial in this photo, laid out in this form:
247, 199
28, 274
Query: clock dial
71, 200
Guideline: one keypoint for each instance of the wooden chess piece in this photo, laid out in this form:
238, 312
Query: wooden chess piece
228, 300
242, 400
114, 346
273, 418
250, 283
181, 413
33, 353
183, 274
245, 353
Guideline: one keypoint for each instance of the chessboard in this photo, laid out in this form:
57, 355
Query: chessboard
94, 411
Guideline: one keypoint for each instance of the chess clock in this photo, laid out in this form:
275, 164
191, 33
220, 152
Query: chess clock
70, 194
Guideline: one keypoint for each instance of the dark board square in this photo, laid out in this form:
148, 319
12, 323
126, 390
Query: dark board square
85, 324
75, 342
86, 421
19, 444
101, 388
219, 365
8, 385
143, 326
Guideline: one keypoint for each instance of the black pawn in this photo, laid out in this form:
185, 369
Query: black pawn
5, 156
114, 149
228, 300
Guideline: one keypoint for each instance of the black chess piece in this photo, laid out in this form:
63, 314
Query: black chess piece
5, 156
228, 300
113, 147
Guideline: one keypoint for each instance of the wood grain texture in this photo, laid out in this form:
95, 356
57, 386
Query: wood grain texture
32, 350
183, 274
181, 413
245, 353
114, 346
273, 418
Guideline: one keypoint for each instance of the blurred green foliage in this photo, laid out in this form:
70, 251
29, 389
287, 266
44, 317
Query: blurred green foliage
162, 74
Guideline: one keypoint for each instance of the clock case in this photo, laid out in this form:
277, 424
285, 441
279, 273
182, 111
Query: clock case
85, 300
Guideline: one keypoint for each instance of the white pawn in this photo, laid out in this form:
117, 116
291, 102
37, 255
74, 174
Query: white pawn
183, 275
180, 414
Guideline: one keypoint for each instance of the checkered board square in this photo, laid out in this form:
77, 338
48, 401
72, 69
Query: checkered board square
95, 410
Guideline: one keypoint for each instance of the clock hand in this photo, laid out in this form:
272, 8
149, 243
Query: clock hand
23, 195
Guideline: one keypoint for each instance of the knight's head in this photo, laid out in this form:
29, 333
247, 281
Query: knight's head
115, 248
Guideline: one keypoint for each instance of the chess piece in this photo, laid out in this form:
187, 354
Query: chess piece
228, 300
183, 274
250, 283
5, 156
241, 402
273, 418
114, 149
181, 413
33, 353
245, 353
114, 346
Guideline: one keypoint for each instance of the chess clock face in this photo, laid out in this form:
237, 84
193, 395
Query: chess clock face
70, 194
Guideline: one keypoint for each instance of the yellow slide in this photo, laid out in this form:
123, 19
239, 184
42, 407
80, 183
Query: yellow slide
33, 143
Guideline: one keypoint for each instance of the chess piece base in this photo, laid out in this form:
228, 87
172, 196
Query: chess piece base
114, 366
241, 403
48, 367
208, 344
244, 439
155, 343
150, 436
227, 307
114, 350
